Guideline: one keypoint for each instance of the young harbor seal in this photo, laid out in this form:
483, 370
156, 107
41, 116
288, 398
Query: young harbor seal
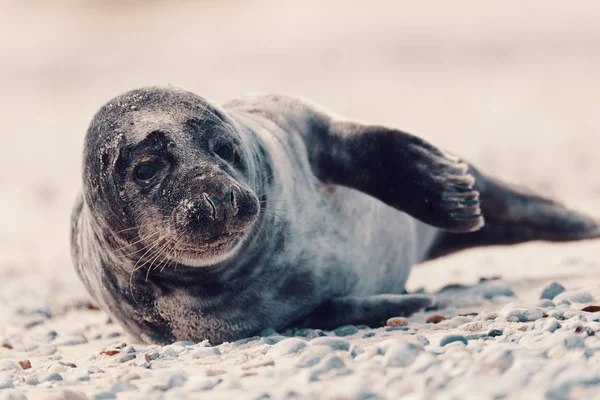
199, 221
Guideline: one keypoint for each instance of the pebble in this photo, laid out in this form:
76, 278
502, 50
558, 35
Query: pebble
435, 319
177, 379
551, 290
458, 321
6, 381
396, 328
546, 325
346, 330
69, 340
268, 332
521, 314
142, 360
203, 352
286, 346
497, 289
303, 332
170, 351
313, 355
271, 340
246, 340
397, 321
495, 332
315, 334
8, 365
105, 396
575, 296
545, 303
574, 341
400, 354
50, 377
122, 387
355, 350
32, 380
335, 343
332, 364
368, 335
200, 384
453, 338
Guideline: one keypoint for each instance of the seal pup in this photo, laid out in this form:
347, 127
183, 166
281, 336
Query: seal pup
200, 221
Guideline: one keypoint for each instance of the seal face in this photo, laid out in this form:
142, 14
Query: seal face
174, 179
205, 222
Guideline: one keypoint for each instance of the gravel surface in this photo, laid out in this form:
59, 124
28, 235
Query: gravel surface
515, 92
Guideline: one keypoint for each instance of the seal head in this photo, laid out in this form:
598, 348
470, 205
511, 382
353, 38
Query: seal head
170, 176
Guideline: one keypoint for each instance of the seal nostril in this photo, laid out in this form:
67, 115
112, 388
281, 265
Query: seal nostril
212, 206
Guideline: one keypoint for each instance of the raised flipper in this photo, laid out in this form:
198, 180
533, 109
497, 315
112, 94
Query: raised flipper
515, 215
372, 311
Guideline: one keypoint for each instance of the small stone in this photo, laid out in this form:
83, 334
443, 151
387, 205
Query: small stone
8, 365
346, 330
458, 321
591, 309
551, 290
574, 341
200, 384
575, 296
355, 350
315, 334
6, 381
95, 370
123, 358
246, 340
184, 343
453, 338
271, 340
335, 343
32, 380
69, 340
168, 352
522, 314
302, 332
368, 335
176, 380
397, 321
152, 354
6, 344
396, 328
110, 352
313, 355
400, 354
496, 290
127, 350
204, 352
50, 377
105, 396
435, 319
142, 360
333, 365
546, 325
122, 387
286, 346
495, 332
545, 303
257, 363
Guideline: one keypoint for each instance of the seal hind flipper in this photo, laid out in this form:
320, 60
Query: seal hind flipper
372, 311
516, 215
401, 170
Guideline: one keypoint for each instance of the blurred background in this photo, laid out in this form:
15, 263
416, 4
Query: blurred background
512, 86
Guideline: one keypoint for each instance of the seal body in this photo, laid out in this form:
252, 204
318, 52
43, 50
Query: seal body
204, 222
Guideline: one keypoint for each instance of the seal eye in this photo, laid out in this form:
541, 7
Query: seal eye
225, 152
144, 173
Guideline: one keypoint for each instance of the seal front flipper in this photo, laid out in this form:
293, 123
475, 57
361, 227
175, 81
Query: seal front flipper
401, 170
372, 311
